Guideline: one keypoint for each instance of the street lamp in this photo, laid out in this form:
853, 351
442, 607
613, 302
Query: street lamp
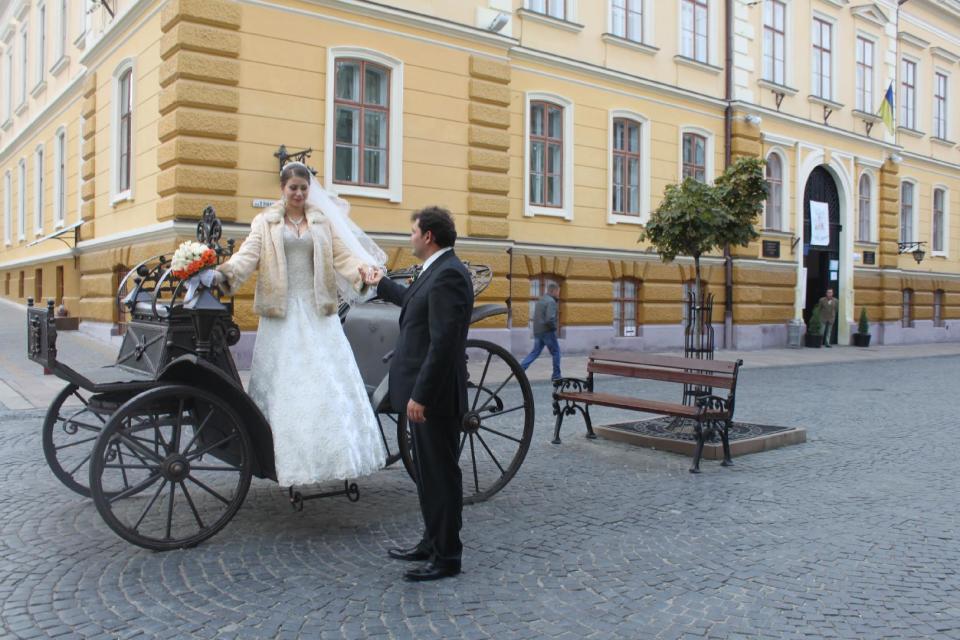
913, 248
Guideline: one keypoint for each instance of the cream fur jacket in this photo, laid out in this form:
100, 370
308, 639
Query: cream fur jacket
263, 249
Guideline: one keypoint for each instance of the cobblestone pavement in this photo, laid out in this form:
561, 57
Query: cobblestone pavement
851, 535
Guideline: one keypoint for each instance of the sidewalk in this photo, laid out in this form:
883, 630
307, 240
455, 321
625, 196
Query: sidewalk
23, 385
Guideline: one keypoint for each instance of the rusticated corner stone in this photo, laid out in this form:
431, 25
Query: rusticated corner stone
187, 93
478, 227
488, 69
190, 206
192, 65
491, 92
218, 13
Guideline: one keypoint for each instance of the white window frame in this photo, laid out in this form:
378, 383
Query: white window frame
787, 67
784, 190
946, 105
394, 190
62, 31
39, 159
901, 121
713, 21
81, 40
116, 195
7, 208
709, 164
874, 204
566, 211
24, 65
871, 105
645, 161
646, 22
41, 45
569, 9
8, 85
60, 178
946, 220
22, 204
833, 56
914, 214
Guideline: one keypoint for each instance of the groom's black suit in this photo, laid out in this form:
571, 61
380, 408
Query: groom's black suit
429, 366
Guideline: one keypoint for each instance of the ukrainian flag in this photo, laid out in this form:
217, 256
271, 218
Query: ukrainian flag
886, 108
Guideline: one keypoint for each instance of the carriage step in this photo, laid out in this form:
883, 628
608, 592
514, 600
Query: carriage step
350, 490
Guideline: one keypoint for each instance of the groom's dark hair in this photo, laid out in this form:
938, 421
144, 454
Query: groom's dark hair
439, 222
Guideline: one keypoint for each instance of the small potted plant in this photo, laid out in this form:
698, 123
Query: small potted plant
814, 336
862, 337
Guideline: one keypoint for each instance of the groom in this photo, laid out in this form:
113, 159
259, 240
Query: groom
428, 381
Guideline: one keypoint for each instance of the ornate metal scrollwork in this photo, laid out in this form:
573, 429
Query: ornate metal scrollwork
209, 228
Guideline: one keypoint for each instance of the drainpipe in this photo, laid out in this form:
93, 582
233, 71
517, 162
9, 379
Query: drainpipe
727, 158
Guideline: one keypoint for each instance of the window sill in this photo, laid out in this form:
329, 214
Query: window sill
626, 43
867, 243
559, 23
621, 218
913, 133
939, 254
81, 40
39, 89
777, 88
942, 141
866, 117
60, 65
393, 195
7, 124
123, 196
21, 108
777, 233
58, 225
696, 64
836, 106
550, 212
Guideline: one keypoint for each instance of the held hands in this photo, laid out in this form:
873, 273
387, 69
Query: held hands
370, 276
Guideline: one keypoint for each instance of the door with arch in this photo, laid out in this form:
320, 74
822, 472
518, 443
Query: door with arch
822, 262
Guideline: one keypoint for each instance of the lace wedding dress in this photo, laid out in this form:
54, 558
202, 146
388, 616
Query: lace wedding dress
305, 380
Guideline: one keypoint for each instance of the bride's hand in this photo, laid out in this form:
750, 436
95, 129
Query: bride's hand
370, 275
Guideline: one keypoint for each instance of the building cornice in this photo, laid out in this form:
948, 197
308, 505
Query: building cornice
49, 111
20, 10
912, 40
943, 54
533, 55
773, 114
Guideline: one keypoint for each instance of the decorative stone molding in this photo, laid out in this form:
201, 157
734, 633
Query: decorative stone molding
889, 214
88, 185
488, 154
198, 106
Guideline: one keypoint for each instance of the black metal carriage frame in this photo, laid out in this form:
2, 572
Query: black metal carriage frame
166, 441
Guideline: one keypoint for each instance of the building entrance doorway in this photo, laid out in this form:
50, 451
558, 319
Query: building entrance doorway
821, 261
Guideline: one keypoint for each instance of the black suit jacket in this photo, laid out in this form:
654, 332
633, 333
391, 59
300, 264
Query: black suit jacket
429, 361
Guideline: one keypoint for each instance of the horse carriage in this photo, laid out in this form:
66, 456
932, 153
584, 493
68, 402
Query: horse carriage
166, 441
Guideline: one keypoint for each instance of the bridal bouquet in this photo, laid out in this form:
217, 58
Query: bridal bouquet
190, 257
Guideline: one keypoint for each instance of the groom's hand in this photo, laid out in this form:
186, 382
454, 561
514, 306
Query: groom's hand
415, 411
371, 276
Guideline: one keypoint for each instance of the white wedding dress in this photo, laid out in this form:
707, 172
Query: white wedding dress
305, 380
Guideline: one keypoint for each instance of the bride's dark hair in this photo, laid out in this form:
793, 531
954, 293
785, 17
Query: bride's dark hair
294, 169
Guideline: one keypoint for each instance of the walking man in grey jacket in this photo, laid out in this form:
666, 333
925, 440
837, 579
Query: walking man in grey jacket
545, 329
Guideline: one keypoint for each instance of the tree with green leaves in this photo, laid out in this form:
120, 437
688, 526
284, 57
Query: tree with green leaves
696, 218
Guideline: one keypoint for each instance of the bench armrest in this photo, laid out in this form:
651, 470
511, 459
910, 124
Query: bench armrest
572, 384
714, 404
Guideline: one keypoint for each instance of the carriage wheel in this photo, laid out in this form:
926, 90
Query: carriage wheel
69, 434
188, 455
496, 432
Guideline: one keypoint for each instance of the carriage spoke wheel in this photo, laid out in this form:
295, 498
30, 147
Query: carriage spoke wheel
171, 468
495, 433
70, 429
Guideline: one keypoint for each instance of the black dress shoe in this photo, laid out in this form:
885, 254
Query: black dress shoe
432, 571
414, 554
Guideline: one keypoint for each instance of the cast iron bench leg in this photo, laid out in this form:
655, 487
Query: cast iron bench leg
725, 437
586, 418
701, 436
556, 429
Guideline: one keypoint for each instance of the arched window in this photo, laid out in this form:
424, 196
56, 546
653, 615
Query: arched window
38, 190
775, 192
60, 178
907, 313
907, 193
939, 220
626, 164
548, 151
865, 204
121, 133
22, 201
694, 157
7, 208
626, 307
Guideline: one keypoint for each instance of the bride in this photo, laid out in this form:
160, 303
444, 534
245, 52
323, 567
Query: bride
304, 376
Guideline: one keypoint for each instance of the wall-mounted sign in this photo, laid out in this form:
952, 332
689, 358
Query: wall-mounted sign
834, 265
771, 248
261, 203
869, 257
819, 224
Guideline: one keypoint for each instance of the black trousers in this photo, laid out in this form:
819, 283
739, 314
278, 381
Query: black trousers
440, 487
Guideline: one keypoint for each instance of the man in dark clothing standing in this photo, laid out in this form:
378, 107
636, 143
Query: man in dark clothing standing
428, 383
545, 315
828, 315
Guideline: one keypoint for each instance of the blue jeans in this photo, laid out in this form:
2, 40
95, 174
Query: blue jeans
548, 340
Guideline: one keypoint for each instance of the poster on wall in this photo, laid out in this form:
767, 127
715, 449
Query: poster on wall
819, 224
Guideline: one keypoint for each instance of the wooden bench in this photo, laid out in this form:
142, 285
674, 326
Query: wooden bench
711, 413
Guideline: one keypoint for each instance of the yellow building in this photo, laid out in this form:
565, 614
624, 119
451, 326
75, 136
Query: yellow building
549, 127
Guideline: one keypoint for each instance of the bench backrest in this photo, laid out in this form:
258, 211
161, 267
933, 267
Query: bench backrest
709, 373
